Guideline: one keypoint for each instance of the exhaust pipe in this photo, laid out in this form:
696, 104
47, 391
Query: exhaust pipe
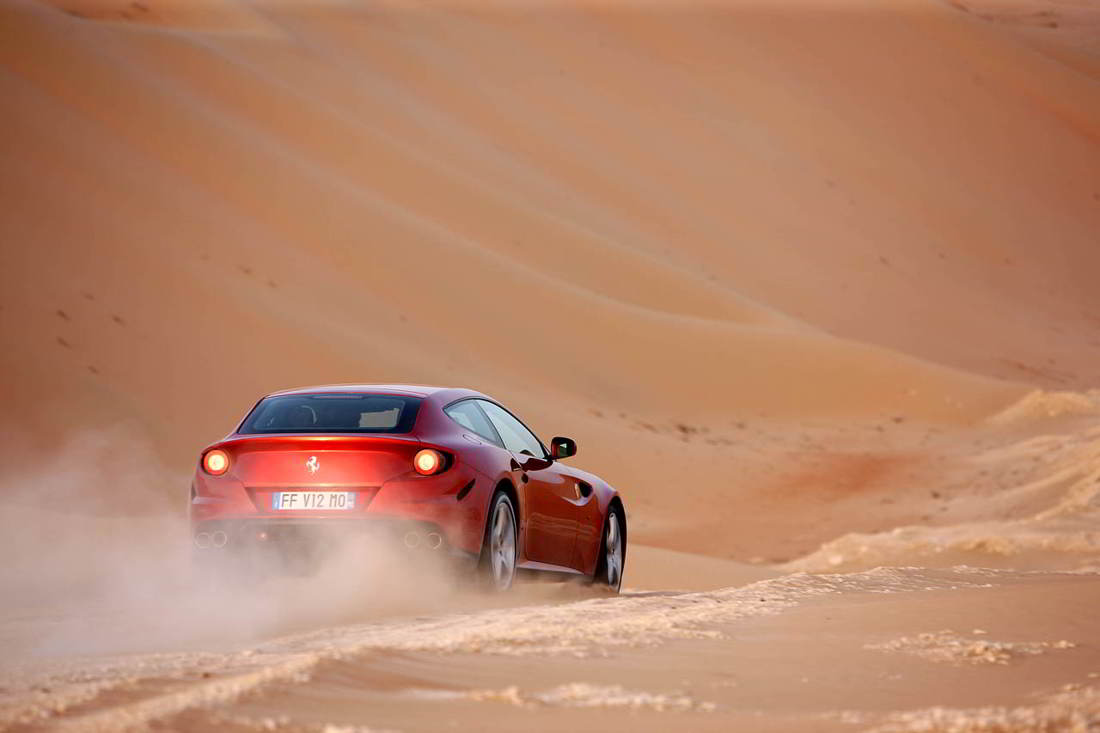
412, 540
219, 539
435, 540
203, 540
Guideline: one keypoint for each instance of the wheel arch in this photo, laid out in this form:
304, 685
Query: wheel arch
503, 485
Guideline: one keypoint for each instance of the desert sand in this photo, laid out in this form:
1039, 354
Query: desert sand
812, 282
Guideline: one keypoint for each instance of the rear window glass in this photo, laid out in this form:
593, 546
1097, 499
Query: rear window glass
333, 413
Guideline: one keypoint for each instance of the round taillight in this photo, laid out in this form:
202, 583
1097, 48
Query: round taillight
216, 462
428, 461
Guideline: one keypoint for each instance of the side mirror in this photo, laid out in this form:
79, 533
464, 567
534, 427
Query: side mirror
563, 447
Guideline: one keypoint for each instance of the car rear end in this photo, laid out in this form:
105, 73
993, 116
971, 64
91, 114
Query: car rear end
304, 468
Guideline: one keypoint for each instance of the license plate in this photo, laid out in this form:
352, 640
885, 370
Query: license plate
312, 501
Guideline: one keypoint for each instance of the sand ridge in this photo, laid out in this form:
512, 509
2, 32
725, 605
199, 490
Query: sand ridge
169, 684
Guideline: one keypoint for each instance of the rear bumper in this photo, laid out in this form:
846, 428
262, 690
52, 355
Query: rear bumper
451, 505
218, 537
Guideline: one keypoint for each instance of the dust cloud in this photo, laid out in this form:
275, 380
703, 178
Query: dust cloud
100, 562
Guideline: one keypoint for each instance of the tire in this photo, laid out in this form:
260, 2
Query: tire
612, 562
498, 555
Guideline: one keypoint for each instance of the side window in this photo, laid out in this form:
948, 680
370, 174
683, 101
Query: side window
516, 437
469, 415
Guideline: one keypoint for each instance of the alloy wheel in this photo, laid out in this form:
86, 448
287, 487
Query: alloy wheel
502, 545
614, 558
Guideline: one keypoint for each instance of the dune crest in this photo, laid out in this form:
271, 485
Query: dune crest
1041, 404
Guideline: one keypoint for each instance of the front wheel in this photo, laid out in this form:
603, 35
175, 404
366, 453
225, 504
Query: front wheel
609, 569
498, 561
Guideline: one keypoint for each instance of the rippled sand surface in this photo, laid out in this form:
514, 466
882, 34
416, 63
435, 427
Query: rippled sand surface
784, 654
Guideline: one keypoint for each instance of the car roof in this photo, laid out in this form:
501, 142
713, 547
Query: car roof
446, 394
413, 389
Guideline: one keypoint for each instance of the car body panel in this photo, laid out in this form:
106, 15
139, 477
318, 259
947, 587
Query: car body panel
551, 511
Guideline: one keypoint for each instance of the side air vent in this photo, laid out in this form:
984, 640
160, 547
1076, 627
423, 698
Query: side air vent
465, 490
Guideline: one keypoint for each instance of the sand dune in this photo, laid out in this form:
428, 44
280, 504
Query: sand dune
368, 195
208, 15
739, 276
811, 282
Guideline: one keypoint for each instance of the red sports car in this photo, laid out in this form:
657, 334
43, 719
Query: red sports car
449, 471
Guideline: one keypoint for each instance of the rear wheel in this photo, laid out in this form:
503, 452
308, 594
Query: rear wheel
498, 562
609, 569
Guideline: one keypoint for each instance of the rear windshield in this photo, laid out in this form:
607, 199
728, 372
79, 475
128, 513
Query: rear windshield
333, 413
